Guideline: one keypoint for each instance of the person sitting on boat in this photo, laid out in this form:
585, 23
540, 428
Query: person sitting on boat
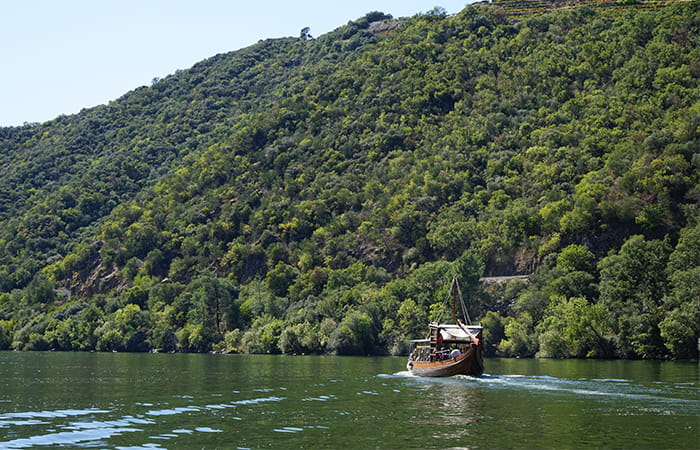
455, 353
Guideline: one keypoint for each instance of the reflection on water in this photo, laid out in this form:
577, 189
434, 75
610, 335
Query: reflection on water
185, 401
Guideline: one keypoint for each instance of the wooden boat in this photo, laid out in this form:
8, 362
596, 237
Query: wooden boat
450, 348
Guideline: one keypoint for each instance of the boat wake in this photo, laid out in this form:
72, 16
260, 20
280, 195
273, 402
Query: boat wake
408, 374
668, 398
403, 373
680, 397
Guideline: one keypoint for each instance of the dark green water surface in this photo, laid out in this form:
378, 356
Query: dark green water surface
115, 400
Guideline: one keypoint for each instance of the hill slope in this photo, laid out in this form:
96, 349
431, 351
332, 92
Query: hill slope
312, 195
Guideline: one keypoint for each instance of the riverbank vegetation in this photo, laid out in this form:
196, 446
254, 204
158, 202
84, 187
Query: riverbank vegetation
315, 195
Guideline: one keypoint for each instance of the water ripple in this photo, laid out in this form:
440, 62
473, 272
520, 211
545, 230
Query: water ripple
66, 437
13, 423
172, 411
207, 430
81, 432
52, 414
320, 398
297, 429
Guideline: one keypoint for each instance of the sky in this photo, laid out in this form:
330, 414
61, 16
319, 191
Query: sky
60, 56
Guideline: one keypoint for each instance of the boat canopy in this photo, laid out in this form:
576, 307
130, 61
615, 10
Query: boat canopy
452, 332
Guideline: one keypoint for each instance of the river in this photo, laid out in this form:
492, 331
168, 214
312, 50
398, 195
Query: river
122, 401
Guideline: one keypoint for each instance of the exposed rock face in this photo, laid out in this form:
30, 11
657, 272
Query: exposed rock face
385, 26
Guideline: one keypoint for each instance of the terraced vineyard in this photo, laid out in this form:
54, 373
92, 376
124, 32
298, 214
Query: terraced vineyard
516, 9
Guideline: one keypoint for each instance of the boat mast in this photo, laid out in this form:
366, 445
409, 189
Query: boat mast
454, 288
457, 293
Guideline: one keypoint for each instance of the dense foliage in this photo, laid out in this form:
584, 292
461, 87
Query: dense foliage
314, 195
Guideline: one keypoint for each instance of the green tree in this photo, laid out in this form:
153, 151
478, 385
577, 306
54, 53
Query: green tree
493, 333
5, 336
193, 338
213, 305
299, 338
280, 278
520, 338
680, 329
468, 268
111, 340
163, 338
263, 336
354, 335
574, 328
412, 319
632, 287
84, 336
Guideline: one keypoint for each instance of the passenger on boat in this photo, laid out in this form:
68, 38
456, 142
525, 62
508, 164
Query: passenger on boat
455, 353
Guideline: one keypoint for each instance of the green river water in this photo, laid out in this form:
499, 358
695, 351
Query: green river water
117, 400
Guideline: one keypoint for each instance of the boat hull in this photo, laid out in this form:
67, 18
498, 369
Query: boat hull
468, 363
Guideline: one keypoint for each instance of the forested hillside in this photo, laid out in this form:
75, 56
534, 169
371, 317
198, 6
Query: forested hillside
315, 195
